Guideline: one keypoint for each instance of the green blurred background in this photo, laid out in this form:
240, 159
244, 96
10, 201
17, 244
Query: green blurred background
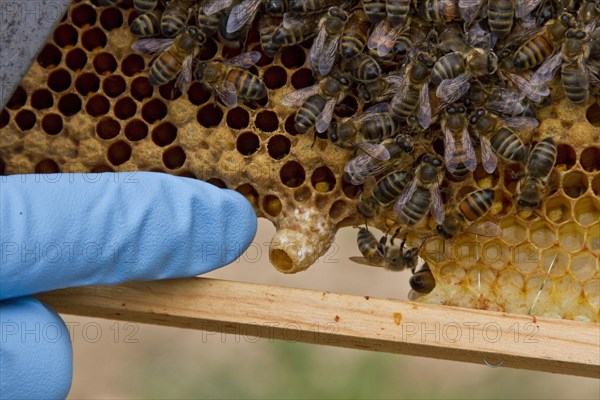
116, 359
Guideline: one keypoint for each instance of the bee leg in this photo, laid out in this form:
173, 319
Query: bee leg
314, 139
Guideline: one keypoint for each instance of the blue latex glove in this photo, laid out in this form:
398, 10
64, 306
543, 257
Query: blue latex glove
65, 230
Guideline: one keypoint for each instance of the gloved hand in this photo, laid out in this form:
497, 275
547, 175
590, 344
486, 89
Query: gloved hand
65, 230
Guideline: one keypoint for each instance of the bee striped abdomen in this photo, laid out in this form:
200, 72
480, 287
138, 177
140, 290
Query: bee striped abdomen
508, 145
146, 24
390, 187
248, 85
500, 16
476, 204
572, 84
306, 116
533, 53
447, 67
368, 244
542, 158
407, 106
381, 126
375, 10
397, 10
144, 6
417, 206
165, 68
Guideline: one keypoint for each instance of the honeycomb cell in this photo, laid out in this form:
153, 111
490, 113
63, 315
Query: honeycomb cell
513, 230
511, 278
272, 205
217, 182
52, 124
210, 116
264, 59
65, 36
132, 64
111, 18
565, 157
49, 57
351, 191
164, 134
230, 52
25, 120
93, 39
574, 184
249, 193
338, 209
87, 84
274, 77
209, 50
323, 179
97, 105
587, 210
558, 209
76, 59
485, 180
278, 147
347, 107
571, 237
593, 114
247, 143
266, 121
174, 157
590, 159
141, 88
466, 251
452, 274
292, 174
525, 257
495, 254
555, 262
168, 91
42, 99
583, 265
18, 99
596, 185
136, 129
321, 201
69, 104
101, 168
293, 57
463, 191
481, 278
438, 145
237, 118
125, 108
592, 292
119, 152
114, 85
289, 125
542, 234
154, 110
105, 64
302, 78
47, 166
4, 118
83, 16
2, 167
107, 128
502, 204
437, 250
302, 194
198, 94
593, 238
510, 177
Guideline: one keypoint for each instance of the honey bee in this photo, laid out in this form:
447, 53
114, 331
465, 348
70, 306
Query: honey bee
375, 10
175, 58
267, 26
423, 194
437, 10
459, 153
474, 206
209, 24
386, 191
589, 12
505, 101
235, 39
500, 13
381, 89
421, 282
375, 159
362, 68
388, 29
377, 253
294, 29
144, 6
372, 125
230, 82
307, 7
244, 13
325, 47
147, 25
453, 71
354, 38
212, 7
496, 137
574, 68
175, 16
317, 102
535, 86
413, 95
533, 186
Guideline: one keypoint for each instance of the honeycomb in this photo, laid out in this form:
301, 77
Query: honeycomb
86, 106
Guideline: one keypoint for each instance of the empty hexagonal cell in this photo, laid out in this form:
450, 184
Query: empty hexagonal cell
105, 64
338, 209
583, 265
321, 201
590, 159
154, 110
119, 152
125, 108
249, 192
266, 121
274, 77
571, 236
25, 120
136, 129
174, 157
466, 250
437, 250
302, 194
596, 185
574, 183
107, 128
555, 262
525, 257
237, 118
87, 84
247, 143
323, 179
293, 57
169, 91
52, 124
513, 230
198, 94
495, 254
97, 105
47, 166
592, 292
83, 15
132, 64
351, 191
18, 99
510, 277
347, 107
210, 116
42, 99
209, 50
565, 157
278, 147
542, 234
292, 174
593, 114
451, 274
587, 210
111, 18
302, 78
264, 59
49, 57
481, 279
65, 36
290, 126
76, 59
558, 209
164, 134
69, 104
593, 238
141, 88
485, 180
114, 85
272, 205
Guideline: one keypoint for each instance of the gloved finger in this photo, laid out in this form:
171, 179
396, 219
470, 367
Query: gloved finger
36, 359
64, 230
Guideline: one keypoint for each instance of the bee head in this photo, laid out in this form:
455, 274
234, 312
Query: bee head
276, 7
197, 34
199, 72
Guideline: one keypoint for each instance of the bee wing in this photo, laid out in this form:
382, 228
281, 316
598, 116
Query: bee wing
388, 41
424, 109
379, 32
327, 57
152, 45
297, 97
437, 206
479, 37
528, 88
470, 157
521, 123
317, 48
585, 81
374, 150
469, 9
291, 21
227, 93
524, 8
405, 196
241, 14
546, 71
488, 157
211, 7
377, 108
506, 101
366, 261
324, 118
450, 90
244, 60
449, 150
184, 80
486, 228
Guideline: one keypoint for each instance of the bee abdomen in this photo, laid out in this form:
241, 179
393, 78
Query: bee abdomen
368, 244
144, 6
407, 106
500, 16
572, 84
352, 43
146, 24
379, 127
163, 69
248, 85
397, 10
447, 67
390, 187
476, 204
533, 53
542, 158
306, 116
508, 145
417, 206
375, 10
171, 24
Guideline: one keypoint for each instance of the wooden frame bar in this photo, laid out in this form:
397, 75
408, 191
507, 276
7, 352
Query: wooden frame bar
482, 337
